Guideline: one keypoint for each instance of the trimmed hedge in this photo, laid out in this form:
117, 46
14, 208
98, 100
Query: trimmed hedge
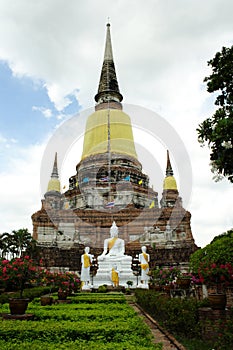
91, 321
179, 316
29, 293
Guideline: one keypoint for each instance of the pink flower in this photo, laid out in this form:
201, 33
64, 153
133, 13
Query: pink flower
4, 262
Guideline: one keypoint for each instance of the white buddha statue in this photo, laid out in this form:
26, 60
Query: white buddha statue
114, 267
114, 247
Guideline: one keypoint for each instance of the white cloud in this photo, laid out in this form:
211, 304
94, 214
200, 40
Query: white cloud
3, 140
7, 142
47, 113
20, 189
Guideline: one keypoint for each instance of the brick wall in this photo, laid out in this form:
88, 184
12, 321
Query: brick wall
213, 322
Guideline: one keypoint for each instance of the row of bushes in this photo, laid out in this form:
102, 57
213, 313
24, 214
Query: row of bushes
180, 317
86, 323
29, 293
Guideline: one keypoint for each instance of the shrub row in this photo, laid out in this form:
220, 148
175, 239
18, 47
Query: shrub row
68, 330
29, 293
180, 317
82, 312
100, 298
78, 326
77, 345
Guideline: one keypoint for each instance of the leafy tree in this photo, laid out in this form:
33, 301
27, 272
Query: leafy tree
20, 240
217, 130
219, 251
7, 245
17, 242
3, 245
228, 234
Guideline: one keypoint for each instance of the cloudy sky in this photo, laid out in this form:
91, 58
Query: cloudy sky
51, 54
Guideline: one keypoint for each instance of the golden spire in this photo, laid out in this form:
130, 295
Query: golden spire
169, 182
54, 182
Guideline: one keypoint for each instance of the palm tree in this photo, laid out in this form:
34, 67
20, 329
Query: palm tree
3, 246
17, 242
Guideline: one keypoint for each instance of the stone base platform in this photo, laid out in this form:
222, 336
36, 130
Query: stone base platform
122, 264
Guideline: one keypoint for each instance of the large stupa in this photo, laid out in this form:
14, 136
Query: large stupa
109, 184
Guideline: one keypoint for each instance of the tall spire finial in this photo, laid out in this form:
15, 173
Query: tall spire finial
169, 182
108, 56
108, 91
55, 169
54, 182
169, 171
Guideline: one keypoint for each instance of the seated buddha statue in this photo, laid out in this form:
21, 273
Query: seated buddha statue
114, 247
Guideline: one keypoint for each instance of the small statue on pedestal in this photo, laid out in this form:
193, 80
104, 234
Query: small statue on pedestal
86, 260
115, 276
144, 259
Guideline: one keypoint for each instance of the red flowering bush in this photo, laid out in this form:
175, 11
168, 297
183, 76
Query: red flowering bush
15, 273
67, 282
212, 273
165, 275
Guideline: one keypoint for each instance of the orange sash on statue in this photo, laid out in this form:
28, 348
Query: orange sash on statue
111, 242
86, 259
145, 256
145, 266
115, 277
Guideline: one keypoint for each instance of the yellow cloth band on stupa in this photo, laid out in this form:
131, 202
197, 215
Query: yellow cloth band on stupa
54, 185
96, 133
169, 183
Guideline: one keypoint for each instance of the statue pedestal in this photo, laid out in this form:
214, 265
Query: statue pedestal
86, 287
123, 264
143, 286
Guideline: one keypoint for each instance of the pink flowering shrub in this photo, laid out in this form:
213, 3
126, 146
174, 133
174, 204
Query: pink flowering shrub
17, 272
212, 273
67, 282
165, 275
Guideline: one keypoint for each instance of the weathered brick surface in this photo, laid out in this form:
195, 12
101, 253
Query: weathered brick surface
71, 258
213, 321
